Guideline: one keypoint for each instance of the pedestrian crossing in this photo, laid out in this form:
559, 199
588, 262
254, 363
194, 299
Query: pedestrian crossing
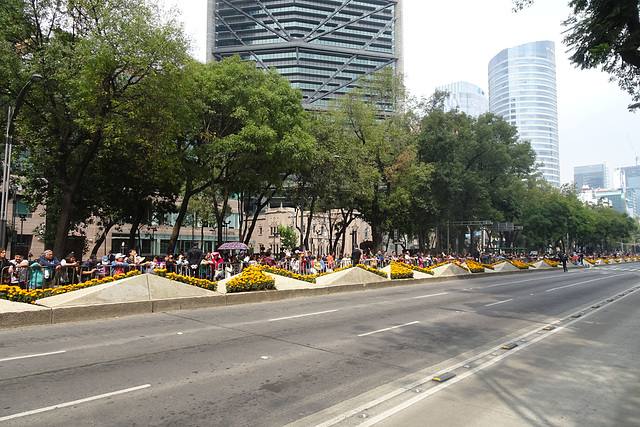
633, 268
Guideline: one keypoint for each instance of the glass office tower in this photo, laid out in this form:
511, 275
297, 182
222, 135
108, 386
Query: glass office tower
593, 176
466, 97
522, 89
323, 47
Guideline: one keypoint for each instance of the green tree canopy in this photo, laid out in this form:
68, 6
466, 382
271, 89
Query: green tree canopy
110, 69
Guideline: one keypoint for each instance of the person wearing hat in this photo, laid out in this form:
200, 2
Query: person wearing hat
194, 258
89, 269
119, 266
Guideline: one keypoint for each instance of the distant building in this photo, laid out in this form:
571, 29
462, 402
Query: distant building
466, 97
522, 89
594, 176
620, 199
323, 47
628, 178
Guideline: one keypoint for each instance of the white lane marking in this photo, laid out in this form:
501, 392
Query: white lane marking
499, 302
575, 284
392, 411
368, 405
75, 402
302, 315
32, 355
388, 329
432, 295
404, 405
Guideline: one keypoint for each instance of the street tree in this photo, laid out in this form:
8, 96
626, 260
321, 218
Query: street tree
288, 237
476, 164
247, 136
110, 68
378, 135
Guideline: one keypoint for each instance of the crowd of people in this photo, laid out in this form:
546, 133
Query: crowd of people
48, 272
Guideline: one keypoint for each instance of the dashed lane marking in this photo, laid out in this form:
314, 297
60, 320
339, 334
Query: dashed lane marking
32, 355
73, 403
499, 302
302, 315
431, 295
388, 329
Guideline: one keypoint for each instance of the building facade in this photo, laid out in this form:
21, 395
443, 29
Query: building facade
620, 199
321, 46
522, 89
593, 176
628, 178
466, 98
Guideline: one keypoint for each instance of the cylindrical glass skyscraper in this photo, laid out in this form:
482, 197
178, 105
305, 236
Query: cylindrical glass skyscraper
522, 89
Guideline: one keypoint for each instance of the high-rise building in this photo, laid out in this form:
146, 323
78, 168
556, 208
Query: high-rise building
466, 97
522, 89
593, 176
628, 178
322, 46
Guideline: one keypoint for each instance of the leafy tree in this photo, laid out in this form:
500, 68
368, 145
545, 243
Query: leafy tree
379, 138
288, 237
110, 68
477, 164
605, 33
247, 136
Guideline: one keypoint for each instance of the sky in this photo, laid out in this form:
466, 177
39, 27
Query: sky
454, 40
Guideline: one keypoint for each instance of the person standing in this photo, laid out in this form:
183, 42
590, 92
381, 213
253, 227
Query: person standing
355, 255
563, 260
37, 279
89, 269
52, 269
119, 266
194, 258
18, 271
5, 266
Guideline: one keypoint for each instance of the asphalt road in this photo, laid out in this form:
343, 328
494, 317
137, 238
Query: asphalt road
348, 359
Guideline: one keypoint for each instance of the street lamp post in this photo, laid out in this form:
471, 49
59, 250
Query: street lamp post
225, 226
12, 112
213, 236
274, 234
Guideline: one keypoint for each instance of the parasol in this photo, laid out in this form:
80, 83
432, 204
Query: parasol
233, 245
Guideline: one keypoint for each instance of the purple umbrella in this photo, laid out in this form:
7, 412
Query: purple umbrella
233, 245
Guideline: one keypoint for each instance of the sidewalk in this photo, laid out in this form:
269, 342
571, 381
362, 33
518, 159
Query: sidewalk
584, 375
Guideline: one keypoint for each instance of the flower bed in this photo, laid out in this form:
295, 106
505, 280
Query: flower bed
251, 279
552, 263
519, 264
201, 283
491, 266
346, 267
29, 296
420, 269
400, 271
474, 267
290, 274
373, 270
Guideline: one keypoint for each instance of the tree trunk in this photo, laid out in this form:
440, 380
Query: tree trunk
103, 237
377, 234
182, 213
309, 221
62, 230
